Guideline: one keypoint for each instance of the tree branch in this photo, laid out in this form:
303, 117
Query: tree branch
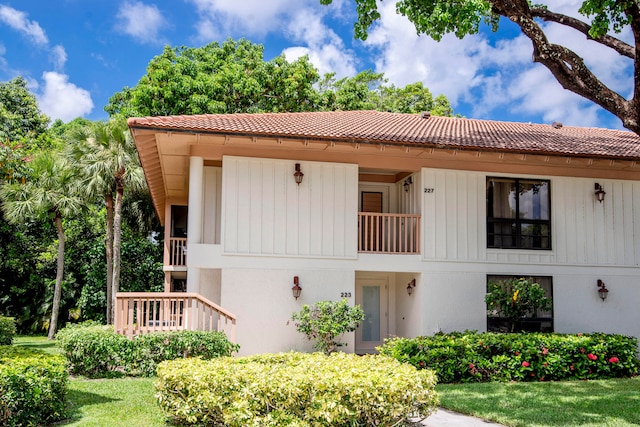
618, 45
568, 68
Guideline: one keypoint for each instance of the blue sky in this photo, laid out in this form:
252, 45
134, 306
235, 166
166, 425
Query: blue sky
75, 54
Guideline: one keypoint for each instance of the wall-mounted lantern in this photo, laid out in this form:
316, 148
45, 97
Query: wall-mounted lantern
410, 286
296, 289
407, 183
298, 175
603, 292
599, 192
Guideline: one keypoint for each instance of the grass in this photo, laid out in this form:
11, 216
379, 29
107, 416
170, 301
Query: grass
568, 403
120, 402
130, 401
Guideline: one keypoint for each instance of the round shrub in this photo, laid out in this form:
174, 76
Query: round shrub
295, 389
7, 330
33, 387
97, 351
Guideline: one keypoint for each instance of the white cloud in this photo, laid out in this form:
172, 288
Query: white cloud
140, 21
60, 99
325, 48
18, 21
59, 57
253, 17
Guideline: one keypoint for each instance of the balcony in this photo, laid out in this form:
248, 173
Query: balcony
145, 312
386, 233
178, 251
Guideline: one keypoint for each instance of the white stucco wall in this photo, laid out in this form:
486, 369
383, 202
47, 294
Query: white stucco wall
263, 303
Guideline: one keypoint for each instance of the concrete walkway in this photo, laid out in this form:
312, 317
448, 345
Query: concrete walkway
446, 418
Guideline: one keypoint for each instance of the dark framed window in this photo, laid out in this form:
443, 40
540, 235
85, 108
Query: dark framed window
518, 213
541, 321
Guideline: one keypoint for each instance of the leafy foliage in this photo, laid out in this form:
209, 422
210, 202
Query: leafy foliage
33, 387
233, 77
20, 118
295, 389
514, 299
7, 330
97, 351
325, 321
471, 357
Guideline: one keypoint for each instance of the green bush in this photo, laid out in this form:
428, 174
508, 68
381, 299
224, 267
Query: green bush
97, 351
325, 321
472, 357
295, 389
7, 330
33, 387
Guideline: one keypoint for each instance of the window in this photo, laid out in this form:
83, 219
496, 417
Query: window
541, 321
518, 213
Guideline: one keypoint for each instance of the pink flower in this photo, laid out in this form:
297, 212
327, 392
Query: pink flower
614, 360
470, 365
517, 353
582, 350
592, 356
525, 364
571, 368
545, 350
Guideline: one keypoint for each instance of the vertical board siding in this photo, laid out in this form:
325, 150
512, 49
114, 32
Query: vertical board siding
266, 213
212, 205
584, 231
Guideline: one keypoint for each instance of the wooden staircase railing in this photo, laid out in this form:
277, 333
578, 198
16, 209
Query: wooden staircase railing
145, 312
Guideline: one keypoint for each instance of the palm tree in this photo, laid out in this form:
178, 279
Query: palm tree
107, 160
51, 193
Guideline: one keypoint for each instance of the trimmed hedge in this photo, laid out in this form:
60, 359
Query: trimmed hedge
97, 351
33, 387
295, 389
7, 330
472, 357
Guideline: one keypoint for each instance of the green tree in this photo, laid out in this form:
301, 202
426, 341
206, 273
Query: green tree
19, 114
107, 162
52, 194
233, 77
436, 18
230, 77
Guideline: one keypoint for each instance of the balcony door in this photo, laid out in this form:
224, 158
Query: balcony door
372, 295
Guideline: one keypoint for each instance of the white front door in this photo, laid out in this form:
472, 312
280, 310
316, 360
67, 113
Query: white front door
372, 296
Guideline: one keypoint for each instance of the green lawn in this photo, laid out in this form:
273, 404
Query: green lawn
130, 401
567, 403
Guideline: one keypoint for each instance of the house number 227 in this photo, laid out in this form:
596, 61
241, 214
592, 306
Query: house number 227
345, 294
429, 190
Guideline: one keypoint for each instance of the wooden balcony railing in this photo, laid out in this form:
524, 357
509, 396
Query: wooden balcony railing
178, 251
144, 312
388, 233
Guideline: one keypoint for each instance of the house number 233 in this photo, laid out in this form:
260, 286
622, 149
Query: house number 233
429, 190
345, 294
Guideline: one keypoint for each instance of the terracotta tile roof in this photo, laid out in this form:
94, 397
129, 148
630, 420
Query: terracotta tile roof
410, 129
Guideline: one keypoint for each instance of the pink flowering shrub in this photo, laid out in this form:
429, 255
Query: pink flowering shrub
473, 357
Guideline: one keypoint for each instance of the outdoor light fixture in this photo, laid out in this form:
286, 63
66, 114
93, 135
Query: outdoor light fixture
410, 286
602, 290
297, 175
407, 183
600, 192
296, 289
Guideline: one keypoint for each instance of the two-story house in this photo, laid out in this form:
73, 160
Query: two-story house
409, 216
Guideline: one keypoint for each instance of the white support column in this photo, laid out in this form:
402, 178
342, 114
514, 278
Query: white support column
194, 233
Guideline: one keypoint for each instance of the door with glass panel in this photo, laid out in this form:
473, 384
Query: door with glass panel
372, 296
